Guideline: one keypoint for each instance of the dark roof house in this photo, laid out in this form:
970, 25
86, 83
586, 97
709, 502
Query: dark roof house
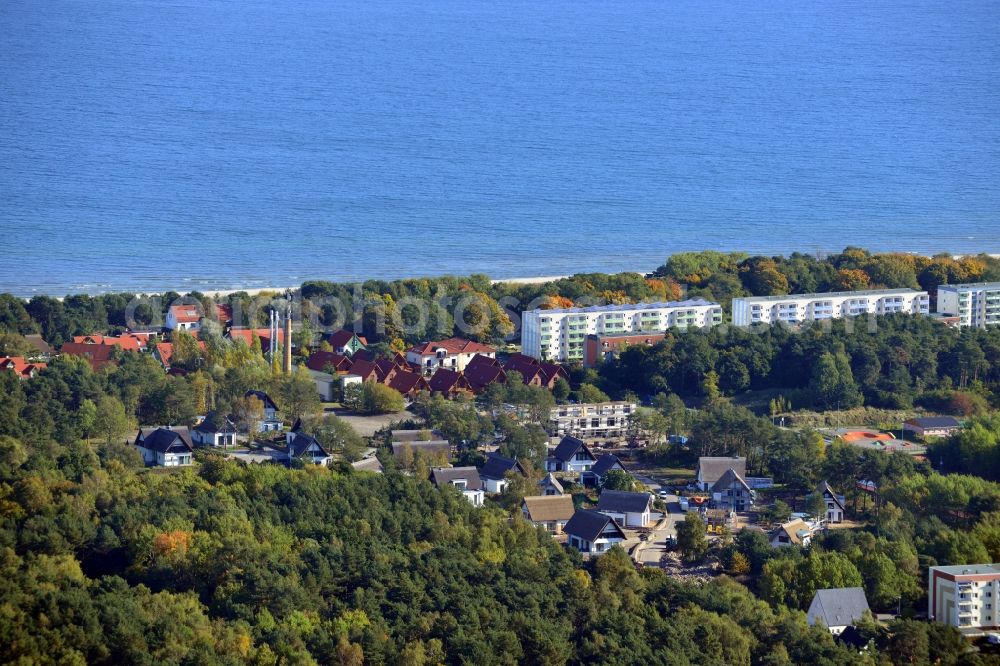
497, 466
591, 525
619, 501
837, 607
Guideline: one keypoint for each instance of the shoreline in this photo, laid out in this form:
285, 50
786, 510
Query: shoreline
256, 291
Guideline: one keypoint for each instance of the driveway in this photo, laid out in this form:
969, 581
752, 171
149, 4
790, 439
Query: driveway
649, 552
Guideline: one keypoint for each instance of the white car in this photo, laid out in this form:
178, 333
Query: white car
663, 494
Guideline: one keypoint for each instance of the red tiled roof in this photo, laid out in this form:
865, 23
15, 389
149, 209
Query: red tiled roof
185, 314
483, 371
452, 346
340, 338
246, 334
97, 355
165, 352
224, 312
366, 370
318, 361
20, 365
408, 383
448, 381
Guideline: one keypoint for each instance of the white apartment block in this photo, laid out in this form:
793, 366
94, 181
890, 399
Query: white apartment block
558, 335
975, 304
964, 596
799, 308
589, 421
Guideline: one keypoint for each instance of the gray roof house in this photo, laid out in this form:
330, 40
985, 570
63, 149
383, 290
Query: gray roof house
435, 448
571, 455
629, 509
466, 479
837, 608
494, 471
731, 492
711, 469
550, 485
592, 532
166, 447
605, 463
216, 430
305, 448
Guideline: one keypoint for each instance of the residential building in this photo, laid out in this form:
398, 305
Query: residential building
550, 486
834, 503
449, 383
628, 509
184, 317
409, 384
549, 512
592, 421
215, 430
21, 366
837, 608
932, 426
263, 334
305, 447
270, 420
604, 464
494, 472
964, 595
592, 532
800, 308
465, 479
710, 469
164, 353
482, 371
98, 350
732, 493
346, 342
571, 455
795, 532
165, 446
559, 334
42, 348
434, 451
368, 465
451, 354
599, 349
534, 372
975, 304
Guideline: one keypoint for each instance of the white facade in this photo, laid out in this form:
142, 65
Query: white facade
592, 420
558, 335
974, 304
799, 308
159, 459
964, 596
183, 317
629, 518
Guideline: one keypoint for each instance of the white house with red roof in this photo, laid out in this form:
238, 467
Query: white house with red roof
20, 366
186, 317
451, 354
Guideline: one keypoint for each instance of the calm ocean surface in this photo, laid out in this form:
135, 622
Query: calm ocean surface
214, 144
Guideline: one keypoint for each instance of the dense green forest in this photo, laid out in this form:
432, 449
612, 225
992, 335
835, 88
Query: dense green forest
898, 362
106, 562
386, 310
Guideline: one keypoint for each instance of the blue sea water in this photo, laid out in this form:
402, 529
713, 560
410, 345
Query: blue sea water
153, 144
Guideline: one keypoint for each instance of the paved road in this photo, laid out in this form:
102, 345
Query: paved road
650, 551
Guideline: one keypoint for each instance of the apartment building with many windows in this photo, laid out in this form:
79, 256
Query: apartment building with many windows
964, 595
975, 304
799, 308
559, 334
589, 421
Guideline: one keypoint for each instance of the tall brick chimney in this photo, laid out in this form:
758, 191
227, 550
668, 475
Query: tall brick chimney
286, 366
